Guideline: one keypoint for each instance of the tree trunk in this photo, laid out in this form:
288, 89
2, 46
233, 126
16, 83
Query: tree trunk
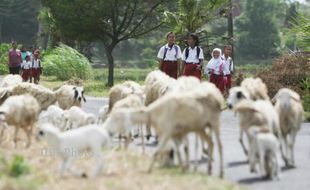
109, 51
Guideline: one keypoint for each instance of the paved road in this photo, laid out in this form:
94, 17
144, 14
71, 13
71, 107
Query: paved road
236, 168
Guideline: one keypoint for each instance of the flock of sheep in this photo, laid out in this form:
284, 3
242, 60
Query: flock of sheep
173, 108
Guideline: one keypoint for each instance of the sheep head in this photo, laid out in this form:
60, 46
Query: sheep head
79, 94
236, 94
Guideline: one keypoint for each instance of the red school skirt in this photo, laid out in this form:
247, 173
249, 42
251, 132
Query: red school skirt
36, 72
170, 68
192, 69
26, 74
228, 84
219, 81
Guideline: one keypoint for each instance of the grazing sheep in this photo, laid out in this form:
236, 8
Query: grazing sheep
266, 147
21, 112
256, 88
70, 144
75, 117
43, 95
102, 114
175, 115
53, 115
290, 110
69, 95
11, 80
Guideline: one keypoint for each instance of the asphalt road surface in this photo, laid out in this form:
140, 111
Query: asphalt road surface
235, 167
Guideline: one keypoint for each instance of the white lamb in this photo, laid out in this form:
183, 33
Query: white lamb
53, 115
102, 114
70, 144
20, 112
69, 95
75, 117
290, 110
266, 147
11, 80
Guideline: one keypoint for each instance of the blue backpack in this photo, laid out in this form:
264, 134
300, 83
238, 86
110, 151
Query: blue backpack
176, 51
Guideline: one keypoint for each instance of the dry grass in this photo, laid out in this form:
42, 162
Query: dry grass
122, 170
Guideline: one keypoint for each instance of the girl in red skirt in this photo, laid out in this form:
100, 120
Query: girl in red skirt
36, 68
26, 68
216, 70
192, 57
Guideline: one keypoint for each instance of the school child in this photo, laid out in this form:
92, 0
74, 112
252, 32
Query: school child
26, 68
229, 65
36, 68
170, 56
216, 70
192, 57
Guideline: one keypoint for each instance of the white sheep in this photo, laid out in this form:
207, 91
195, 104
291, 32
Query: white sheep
43, 95
75, 117
116, 93
69, 95
21, 112
290, 110
11, 80
70, 144
53, 115
102, 114
175, 115
266, 147
256, 88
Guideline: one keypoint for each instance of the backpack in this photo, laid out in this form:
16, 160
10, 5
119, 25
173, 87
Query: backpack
197, 52
166, 49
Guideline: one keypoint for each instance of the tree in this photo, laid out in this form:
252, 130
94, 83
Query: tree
17, 20
258, 29
109, 21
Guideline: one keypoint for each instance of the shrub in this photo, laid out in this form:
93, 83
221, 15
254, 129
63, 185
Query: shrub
18, 167
66, 63
4, 48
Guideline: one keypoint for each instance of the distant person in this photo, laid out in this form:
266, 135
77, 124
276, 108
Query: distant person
216, 70
15, 59
26, 68
229, 65
192, 57
170, 57
23, 52
36, 67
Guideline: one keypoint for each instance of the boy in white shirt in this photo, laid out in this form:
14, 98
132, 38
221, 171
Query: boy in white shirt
192, 57
229, 65
170, 56
26, 68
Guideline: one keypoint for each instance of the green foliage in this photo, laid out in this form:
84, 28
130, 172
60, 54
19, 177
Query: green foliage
302, 31
18, 166
65, 63
258, 29
306, 97
4, 48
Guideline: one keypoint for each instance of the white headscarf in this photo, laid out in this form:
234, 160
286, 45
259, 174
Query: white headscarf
214, 63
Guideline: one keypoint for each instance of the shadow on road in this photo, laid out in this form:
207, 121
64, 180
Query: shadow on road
253, 180
237, 163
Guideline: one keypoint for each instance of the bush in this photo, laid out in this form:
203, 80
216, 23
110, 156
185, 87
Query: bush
4, 48
18, 167
66, 63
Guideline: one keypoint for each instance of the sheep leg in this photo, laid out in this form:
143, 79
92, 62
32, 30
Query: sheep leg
99, 163
163, 141
242, 143
2, 132
208, 138
186, 154
28, 132
15, 136
291, 142
66, 165
262, 162
284, 149
148, 131
142, 140
220, 148
196, 152
177, 149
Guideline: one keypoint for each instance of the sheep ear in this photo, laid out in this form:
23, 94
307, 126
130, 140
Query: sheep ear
83, 96
240, 95
75, 94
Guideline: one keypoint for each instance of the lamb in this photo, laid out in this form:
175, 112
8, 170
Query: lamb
44, 96
70, 144
256, 88
116, 93
53, 115
290, 110
174, 115
11, 80
21, 112
265, 145
69, 95
75, 117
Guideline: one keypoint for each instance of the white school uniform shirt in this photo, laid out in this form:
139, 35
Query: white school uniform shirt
192, 57
171, 54
26, 64
35, 63
229, 65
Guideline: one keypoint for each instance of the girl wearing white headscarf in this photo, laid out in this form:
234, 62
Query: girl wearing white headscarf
216, 69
